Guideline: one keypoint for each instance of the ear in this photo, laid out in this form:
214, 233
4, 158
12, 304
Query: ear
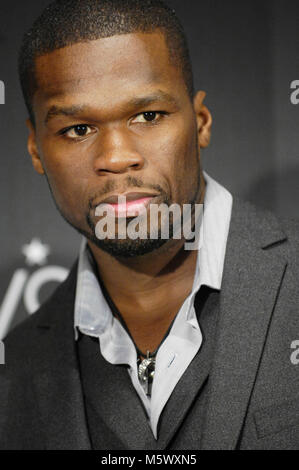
32, 148
203, 118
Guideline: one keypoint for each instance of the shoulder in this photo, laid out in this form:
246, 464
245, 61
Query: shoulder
291, 228
260, 220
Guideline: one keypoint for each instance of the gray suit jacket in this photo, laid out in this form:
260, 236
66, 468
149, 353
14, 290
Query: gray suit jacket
254, 386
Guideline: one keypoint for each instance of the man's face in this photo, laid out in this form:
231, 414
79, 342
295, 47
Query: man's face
114, 116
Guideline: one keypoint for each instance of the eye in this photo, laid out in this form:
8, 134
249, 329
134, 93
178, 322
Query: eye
148, 116
75, 132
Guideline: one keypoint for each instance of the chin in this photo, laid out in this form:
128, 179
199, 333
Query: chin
128, 248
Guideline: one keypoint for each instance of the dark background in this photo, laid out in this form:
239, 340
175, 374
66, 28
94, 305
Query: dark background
245, 55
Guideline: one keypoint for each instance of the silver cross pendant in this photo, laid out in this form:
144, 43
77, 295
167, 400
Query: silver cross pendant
146, 371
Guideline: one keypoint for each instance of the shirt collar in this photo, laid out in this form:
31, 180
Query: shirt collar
215, 227
92, 312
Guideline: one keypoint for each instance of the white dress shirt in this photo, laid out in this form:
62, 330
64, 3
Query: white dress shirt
93, 315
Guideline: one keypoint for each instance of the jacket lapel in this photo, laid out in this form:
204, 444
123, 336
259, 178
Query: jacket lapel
251, 281
194, 378
56, 378
113, 404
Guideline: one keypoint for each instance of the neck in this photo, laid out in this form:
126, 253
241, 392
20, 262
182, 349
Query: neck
149, 290
149, 294
134, 277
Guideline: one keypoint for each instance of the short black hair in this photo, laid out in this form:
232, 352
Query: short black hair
67, 22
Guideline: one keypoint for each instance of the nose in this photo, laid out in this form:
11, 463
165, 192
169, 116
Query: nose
116, 153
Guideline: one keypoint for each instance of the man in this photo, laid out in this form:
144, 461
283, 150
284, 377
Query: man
146, 345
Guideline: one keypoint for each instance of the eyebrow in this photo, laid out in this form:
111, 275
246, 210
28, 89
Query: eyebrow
138, 102
63, 111
150, 99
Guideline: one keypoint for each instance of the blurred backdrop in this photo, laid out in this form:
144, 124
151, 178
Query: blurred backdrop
245, 56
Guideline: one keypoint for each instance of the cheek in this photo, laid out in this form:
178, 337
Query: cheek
174, 157
67, 179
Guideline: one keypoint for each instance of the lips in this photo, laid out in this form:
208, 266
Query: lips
133, 196
130, 204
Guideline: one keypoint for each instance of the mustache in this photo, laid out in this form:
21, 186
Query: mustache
131, 182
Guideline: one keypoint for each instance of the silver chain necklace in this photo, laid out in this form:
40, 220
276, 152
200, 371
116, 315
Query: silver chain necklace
146, 366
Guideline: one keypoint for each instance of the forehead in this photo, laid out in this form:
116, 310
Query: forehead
108, 67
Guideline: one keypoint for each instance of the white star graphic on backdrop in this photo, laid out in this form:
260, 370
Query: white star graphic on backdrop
36, 252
